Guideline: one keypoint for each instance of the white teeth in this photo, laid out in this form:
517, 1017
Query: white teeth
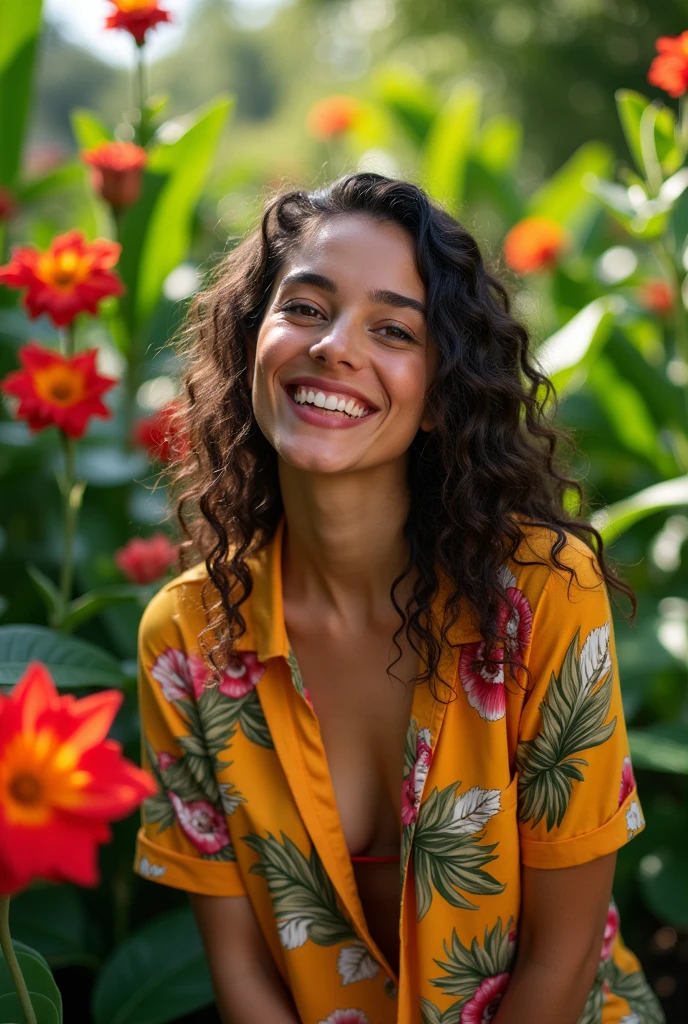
330, 402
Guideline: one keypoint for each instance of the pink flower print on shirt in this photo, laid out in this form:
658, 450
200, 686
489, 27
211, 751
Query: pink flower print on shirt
171, 670
627, 780
346, 1017
610, 932
486, 999
413, 786
483, 679
199, 674
201, 823
241, 675
165, 760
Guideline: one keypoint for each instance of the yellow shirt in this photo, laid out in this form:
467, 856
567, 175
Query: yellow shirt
505, 774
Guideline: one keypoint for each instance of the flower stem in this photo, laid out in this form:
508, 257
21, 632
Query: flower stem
141, 95
12, 962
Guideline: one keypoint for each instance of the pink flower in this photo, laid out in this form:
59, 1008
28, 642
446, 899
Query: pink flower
610, 931
483, 680
346, 1017
144, 560
412, 787
485, 1002
171, 669
241, 676
165, 760
627, 780
202, 824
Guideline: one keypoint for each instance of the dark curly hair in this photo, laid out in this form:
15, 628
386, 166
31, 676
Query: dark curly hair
488, 466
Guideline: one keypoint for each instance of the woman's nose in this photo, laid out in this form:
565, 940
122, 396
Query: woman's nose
342, 342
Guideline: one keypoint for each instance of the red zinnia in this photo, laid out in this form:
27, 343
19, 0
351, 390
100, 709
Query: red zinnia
70, 277
535, 243
136, 17
61, 782
144, 560
54, 390
669, 71
332, 116
656, 296
117, 168
8, 204
162, 434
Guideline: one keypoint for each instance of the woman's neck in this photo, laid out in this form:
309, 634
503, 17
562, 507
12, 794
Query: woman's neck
344, 542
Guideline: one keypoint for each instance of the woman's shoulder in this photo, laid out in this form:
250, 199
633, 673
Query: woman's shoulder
534, 563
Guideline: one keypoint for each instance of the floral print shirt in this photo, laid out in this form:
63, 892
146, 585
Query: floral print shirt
533, 772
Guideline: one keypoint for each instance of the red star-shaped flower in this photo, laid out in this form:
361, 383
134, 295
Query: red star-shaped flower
136, 17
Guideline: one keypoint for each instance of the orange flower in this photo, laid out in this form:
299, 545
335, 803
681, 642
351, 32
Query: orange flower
61, 782
332, 116
69, 278
669, 71
534, 244
656, 296
117, 168
146, 560
136, 17
8, 204
163, 434
58, 391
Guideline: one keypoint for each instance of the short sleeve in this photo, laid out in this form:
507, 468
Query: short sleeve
577, 797
184, 839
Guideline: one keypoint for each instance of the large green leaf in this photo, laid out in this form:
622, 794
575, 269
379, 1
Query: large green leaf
408, 96
662, 747
45, 1010
73, 663
615, 519
663, 882
156, 231
89, 130
499, 145
567, 355
52, 919
565, 197
36, 974
158, 974
633, 107
19, 28
449, 143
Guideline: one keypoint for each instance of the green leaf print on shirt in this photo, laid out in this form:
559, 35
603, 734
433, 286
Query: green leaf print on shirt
573, 719
470, 967
305, 904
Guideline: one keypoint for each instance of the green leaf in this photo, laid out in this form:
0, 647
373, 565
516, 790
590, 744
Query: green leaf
662, 747
449, 143
52, 919
83, 608
566, 356
157, 974
634, 988
36, 974
156, 231
499, 145
565, 197
408, 96
631, 106
47, 590
73, 663
19, 30
45, 1010
615, 519
66, 176
89, 130
467, 966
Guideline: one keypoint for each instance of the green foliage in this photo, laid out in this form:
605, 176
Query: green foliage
19, 28
39, 982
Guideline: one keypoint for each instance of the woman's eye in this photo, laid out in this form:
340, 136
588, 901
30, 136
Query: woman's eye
293, 307
401, 335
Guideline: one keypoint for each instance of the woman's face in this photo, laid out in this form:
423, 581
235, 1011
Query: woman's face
342, 359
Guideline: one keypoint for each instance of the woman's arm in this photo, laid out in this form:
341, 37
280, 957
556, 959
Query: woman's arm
563, 915
247, 985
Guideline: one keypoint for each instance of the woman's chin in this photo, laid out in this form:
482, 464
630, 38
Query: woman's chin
308, 459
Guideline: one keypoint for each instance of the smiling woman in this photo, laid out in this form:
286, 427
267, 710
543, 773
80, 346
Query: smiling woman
382, 704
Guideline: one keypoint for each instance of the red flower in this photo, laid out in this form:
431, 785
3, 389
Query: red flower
669, 71
117, 168
163, 434
241, 676
412, 787
8, 204
70, 277
627, 780
144, 560
202, 824
136, 17
61, 781
656, 296
332, 116
58, 391
483, 1006
535, 243
610, 932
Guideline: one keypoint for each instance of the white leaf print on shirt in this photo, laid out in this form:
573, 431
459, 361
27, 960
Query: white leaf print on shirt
473, 809
293, 930
355, 963
595, 660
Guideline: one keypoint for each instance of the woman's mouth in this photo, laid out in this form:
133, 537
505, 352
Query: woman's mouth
327, 407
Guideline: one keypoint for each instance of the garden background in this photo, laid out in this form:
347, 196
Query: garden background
534, 116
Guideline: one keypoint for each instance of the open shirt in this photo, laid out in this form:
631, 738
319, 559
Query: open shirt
507, 773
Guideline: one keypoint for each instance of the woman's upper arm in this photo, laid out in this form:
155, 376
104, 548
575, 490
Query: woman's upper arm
232, 938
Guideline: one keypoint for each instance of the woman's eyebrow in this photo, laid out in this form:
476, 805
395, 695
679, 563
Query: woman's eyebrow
381, 295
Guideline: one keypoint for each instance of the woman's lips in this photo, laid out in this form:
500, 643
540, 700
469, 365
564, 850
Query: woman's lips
320, 417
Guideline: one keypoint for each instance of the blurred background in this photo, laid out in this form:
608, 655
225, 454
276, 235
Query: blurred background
535, 123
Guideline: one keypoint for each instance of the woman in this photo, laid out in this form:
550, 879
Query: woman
384, 709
